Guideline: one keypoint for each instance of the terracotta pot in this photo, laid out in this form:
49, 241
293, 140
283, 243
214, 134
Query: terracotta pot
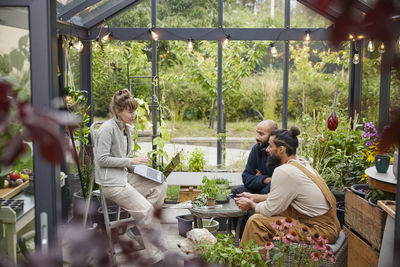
211, 202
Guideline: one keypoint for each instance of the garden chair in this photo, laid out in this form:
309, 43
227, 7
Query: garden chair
118, 224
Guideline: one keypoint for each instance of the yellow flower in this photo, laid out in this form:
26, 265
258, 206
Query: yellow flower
364, 177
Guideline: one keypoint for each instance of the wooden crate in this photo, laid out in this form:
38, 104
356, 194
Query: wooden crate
188, 193
364, 219
360, 253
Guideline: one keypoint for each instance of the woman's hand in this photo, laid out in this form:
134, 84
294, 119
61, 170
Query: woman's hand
139, 160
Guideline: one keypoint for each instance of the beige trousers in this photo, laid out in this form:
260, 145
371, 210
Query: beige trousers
140, 197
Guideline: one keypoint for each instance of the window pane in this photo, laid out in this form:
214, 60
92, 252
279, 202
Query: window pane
187, 13
14, 49
135, 17
303, 17
254, 14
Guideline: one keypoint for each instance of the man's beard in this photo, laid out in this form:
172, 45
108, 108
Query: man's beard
273, 161
262, 144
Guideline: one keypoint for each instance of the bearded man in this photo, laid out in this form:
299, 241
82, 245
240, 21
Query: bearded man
297, 190
257, 175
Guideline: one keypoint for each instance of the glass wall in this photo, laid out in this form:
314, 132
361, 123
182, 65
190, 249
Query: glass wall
303, 17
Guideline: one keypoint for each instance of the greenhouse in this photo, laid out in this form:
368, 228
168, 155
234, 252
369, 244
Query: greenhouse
199, 132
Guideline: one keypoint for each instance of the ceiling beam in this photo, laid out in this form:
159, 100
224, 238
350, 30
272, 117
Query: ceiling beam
70, 11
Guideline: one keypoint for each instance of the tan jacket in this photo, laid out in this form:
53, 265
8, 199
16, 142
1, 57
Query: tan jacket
112, 155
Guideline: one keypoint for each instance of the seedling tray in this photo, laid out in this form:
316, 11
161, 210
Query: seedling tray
16, 205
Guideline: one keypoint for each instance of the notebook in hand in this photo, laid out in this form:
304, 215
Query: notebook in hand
157, 175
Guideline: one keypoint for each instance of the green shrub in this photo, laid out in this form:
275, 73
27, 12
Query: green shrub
196, 161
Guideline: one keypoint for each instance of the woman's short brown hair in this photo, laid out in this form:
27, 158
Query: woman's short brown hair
121, 100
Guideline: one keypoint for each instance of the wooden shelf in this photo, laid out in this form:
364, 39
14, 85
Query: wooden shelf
7, 193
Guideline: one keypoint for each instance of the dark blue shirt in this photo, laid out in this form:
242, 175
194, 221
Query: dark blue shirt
257, 161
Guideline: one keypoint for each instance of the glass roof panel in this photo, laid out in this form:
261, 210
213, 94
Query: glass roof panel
303, 17
135, 17
96, 10
66, 5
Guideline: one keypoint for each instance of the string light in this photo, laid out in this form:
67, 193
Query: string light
78, 46
356, 58
70, 43
274, 52
381, 48
371, 46
106, 37
154, 35
190, 45
398, 42
351, 37
225, 42
307, 38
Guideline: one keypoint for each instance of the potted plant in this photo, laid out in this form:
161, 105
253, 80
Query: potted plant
223, 184
210, 190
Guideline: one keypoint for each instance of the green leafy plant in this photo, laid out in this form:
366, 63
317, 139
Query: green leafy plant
200, 200
172, 192
375, 194
196, 161
221, 180
225, 253
209, 188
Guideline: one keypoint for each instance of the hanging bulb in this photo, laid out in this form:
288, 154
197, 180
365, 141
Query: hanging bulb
351, 37
154, 35
307, 38
78, 46
371, 46
274, 52
70, 43
106, 37
225, 42
398, 42
96, 44
190, 45
356, 58
381, 48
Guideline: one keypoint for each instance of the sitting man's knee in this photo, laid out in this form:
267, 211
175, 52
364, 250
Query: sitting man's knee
238, 189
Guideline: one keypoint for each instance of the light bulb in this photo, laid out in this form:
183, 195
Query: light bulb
274, 52
398, 43
371, 46
154, 35
356, 58
381, 48
351, 37
78, 46
307, 38
106, 37
225, 42
190, 45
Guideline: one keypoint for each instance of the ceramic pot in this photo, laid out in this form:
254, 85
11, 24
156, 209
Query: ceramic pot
382, 163
211, 202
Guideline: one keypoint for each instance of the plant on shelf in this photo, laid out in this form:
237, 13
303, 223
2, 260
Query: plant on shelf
223, 185
196, 161
199, 201
375, 194
210, 189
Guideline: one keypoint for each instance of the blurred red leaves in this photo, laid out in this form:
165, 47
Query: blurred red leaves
41, 127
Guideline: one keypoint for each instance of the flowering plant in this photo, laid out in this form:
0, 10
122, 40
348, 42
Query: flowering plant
372, 140
302, 248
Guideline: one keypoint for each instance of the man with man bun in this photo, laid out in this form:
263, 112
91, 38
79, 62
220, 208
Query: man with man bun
297, 190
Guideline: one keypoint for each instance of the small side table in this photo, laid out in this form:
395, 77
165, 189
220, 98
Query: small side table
383, 181
229, 210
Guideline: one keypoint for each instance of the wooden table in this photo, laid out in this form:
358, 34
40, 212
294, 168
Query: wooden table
383, 181
229, 210
17, 223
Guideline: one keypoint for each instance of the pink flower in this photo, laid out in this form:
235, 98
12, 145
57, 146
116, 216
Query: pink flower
320, 245
323, 238
286, 240
278, 225
293, 236
268, 245
288, 222
315, 255
277, 237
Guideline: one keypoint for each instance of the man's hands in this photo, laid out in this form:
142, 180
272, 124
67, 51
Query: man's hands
245, 203
266, 180
258, 173
253, 197
139, 160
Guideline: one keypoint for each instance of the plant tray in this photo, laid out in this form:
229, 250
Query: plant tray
7, 193
16, 204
